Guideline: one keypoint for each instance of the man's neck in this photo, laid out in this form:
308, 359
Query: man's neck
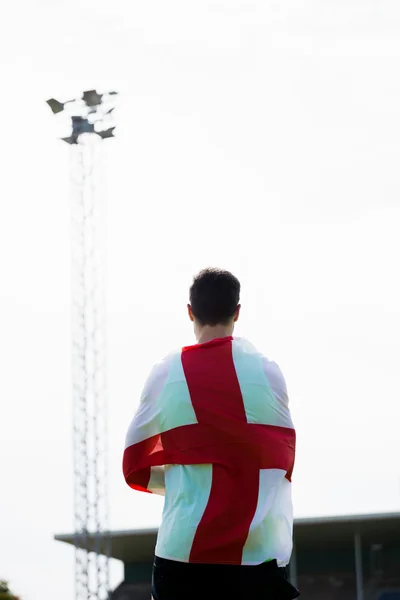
208, 333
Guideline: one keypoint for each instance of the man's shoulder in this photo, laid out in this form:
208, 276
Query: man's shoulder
162, 366
271, 368
244, 346
158, 376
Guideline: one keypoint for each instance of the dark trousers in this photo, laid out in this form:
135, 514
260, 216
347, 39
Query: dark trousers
188, 581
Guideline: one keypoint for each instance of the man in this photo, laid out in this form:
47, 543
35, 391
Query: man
213, 433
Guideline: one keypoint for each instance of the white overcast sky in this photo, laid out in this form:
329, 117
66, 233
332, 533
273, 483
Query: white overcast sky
261, 137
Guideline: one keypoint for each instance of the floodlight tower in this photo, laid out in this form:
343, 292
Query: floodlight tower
91, 118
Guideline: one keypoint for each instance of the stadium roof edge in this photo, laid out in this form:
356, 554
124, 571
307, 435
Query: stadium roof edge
69, 537
301, 521
347, 518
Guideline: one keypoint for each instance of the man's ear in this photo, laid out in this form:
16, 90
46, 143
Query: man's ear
237, 313
190, 313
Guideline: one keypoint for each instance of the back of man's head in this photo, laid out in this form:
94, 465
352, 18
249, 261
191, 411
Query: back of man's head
214, 297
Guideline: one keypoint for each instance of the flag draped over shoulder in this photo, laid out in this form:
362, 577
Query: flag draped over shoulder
221, 404
192, 412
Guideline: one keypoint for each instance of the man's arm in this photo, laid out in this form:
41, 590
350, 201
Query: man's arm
276, 380
157, 481
278, 387
143, 437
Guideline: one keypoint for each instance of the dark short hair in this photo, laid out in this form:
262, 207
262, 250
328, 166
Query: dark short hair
214, 296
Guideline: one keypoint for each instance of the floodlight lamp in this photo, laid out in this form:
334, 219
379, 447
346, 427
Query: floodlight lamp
55, 105
92, 98
108, 133
81, 125
70, 140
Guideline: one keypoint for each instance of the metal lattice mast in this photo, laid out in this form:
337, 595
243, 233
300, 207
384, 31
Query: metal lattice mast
92, 538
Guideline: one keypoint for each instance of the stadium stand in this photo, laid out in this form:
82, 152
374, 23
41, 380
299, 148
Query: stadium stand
354, 557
